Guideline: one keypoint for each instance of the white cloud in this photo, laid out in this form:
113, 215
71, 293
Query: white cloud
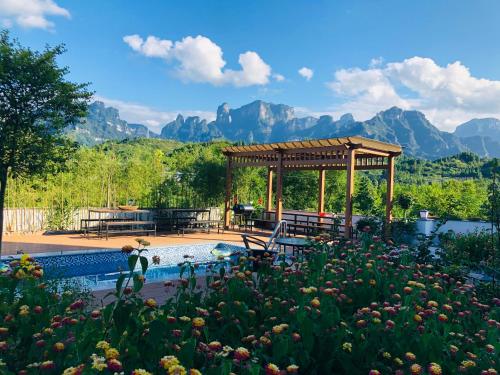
306, 73
278, 77
448, 95
30, 13
155, 119
201, 60
376, 61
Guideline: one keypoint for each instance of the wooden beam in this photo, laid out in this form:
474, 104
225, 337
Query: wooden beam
229, 185
269, 192
321, 192
279, 189
339, 164
368, 151
389, 197
349, 192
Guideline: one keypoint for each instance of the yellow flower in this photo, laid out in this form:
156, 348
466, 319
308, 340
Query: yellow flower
177, 370
468, 363
315, 303
432, 304
292, 369
71, 371
98, 363
141, 371
112, 353
386, 355
279, 328
272, 369
347, 346
410, 356
398, 361
185, 319
198, 322
168, 361
194, 371
415, 369
24, 311
373, 282
102, 345
25, 260
435, 369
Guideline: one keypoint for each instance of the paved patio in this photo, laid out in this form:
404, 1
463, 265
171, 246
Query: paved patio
41, 243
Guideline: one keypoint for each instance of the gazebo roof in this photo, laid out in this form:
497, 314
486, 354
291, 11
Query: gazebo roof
315, 154
364, 145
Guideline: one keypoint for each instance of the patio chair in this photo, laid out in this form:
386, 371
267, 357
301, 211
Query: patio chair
256, 246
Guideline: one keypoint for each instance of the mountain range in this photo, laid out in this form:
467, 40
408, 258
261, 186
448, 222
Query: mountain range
261, 122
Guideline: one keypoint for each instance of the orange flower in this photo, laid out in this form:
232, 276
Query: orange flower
272, 369
114, 365
198, 322
435, 369
442, 318
315, 303
241, 354
58, 347
410, 356
415, 369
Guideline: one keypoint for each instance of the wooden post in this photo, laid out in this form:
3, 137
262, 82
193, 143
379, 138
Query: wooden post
351, 162
269, 193
279, 188
321, 192
390, 196
229, 185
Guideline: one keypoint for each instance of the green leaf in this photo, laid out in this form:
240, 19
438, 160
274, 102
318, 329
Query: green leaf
132, 261
138, 284
119, 282
144, 264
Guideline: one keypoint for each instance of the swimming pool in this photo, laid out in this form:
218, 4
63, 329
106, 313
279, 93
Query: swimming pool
99, 269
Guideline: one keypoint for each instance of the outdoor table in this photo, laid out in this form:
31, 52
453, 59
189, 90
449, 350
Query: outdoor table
128, 215
297, 244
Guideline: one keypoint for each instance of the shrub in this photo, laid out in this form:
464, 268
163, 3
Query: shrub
341, 307
471, 249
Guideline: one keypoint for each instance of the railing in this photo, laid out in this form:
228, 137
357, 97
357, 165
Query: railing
279, 231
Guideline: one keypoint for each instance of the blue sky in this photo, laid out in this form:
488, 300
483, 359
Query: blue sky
441, 57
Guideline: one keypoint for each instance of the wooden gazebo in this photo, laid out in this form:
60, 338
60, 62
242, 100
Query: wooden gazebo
348, 153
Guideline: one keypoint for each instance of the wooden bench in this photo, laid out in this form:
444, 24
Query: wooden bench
129, 227
201, 225
312, 228
87, 228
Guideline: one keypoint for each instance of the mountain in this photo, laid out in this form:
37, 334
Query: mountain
486, 127
104, 123
261, 122
191, 129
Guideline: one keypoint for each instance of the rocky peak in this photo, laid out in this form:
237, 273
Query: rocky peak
223, 114
346, 119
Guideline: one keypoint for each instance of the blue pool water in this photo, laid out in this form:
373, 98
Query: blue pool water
100, 269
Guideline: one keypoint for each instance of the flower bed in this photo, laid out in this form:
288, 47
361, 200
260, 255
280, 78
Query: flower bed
344, 308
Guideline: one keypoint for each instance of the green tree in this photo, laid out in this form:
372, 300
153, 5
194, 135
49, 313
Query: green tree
36, 104
405, 201
364, 199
